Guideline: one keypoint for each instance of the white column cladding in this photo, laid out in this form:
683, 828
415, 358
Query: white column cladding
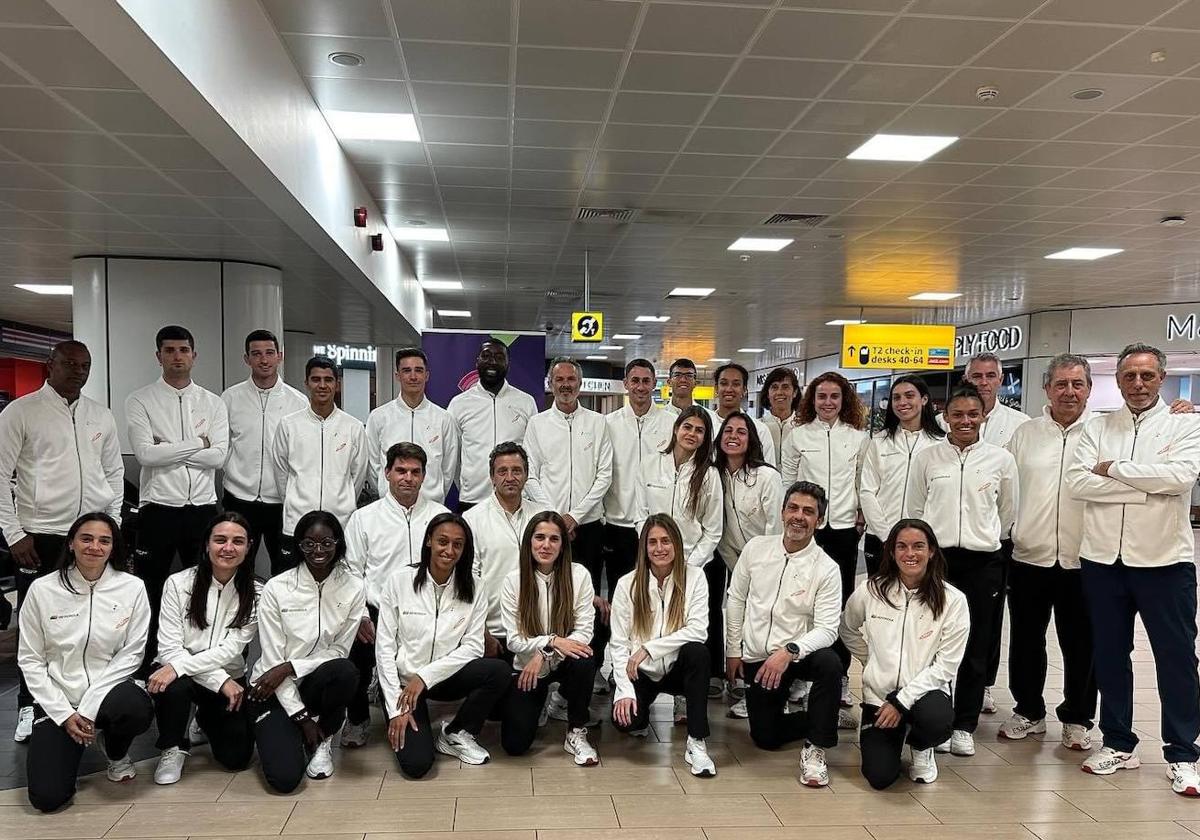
252, 299
297, 350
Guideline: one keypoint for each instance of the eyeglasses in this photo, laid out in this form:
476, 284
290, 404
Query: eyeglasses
309, 546
678, 375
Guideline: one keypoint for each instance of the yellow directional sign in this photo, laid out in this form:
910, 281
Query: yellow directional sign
587, 326
908, 346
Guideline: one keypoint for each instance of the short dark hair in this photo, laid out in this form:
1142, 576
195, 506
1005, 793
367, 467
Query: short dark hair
807, 488
406, 451
964, 391
406, 352
321, 517
681, 363
320, 362
646, 363
261, 335
508, 447
733, 366
173, 332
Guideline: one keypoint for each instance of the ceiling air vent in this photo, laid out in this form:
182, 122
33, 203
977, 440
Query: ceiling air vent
614, 215
805, 219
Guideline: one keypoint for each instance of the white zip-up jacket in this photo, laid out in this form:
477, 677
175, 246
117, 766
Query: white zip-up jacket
1139, 512
524, 647
779, 430
212, 655
1049, 524
827, 456
663, 488
484, 420
662, 647
181, 470
427, 634
753, 507
254, 416
570, 462
497, 536
384, 537
906, 652
75, 647
776, 598
67, 459
320, 463
998, 427
430, 427
883, 484
969, 496
764, 436
634, 440
307, 624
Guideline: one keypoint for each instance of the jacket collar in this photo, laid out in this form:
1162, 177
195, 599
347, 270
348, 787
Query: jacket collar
172, 390
399, 509
1079, 421
81, 583
401, 405
278, 386
971, 448
1159, 407
807, 553
48, 393
484, 392
312, 415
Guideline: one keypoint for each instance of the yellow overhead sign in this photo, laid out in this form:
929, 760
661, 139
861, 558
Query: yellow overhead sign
887, 346
587, 326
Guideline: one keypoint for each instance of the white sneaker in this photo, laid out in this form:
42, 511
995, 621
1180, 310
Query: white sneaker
1184, 779
24, 730
1018, 726
1106, 761
944, 747
1076, 737
989, 705
679, 710
813, 770
355, 734
738, 710
696, 756
195, 734
847, 699
716, 687
170, 766
923, 767
121, 769
373, 688
962, 742
556, 709
577, 745
846, 719
461, 745
320, 766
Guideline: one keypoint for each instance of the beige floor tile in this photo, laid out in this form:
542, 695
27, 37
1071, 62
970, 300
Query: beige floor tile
250, 786
984, 756
850, 780
679, 811
1033, 777
1146, 777
1003, 831
837, 832
1134, 805
448, 781
850, 809
203, 820
96, 789
567, 812
617, 834
1004, 807
652, 754
363, 816
1125, 831
581, 781
1029, 751
738, 779
843, 754
523, 834
74, 821
1191, 825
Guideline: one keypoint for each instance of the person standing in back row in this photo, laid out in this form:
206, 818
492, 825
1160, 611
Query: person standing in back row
255, 406
180, 435
780, 395
488, 413
731, 389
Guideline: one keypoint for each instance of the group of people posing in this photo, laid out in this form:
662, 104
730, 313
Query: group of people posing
704, 553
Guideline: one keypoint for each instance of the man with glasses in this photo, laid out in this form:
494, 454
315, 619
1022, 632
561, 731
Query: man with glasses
682, 377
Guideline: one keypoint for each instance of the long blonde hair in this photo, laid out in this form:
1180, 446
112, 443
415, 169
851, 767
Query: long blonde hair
643, 615
562, 613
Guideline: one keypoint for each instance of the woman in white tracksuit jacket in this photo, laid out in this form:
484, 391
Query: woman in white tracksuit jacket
82, 638
909, 629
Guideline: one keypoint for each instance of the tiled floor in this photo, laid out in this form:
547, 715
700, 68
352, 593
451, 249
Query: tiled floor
641, 791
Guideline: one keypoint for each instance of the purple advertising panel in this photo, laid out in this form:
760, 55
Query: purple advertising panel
452, 362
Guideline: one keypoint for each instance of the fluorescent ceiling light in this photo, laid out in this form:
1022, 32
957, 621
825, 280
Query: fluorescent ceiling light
413, 233
786, 340
1084, 253
701, 367
750, 349
46, 288
720, 360
441, 285
842, 322
610, 347
935, 296
653, 319
627, 336
901, 147
752, 243
690, 291
365, 125
596, 358
454, 313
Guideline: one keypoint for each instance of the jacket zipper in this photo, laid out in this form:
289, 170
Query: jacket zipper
321, 492
88, 638
1137, 425
1058, 498
183, 437
962, 469
437, 611
212, 628
78, 458
907, 471
320, 595
829, 468
262, 446
903, 629
771, 614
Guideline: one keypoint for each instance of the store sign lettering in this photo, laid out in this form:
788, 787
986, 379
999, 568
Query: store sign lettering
345, 352
1185, 329
997, 340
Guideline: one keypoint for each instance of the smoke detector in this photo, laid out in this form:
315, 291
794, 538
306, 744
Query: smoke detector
987, 93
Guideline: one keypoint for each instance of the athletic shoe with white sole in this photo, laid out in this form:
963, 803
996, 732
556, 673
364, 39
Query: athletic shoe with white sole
1184, 779
355, 734
989, 705
846, 719
170, 766
577, 745
195, 734
679, 710
962, 742
1106, 761
814, 772
121, 769
556, 709
24, 729
1076, 737
847, 699
696, 756
923, 768
738, 710
1019, 726
463, 746
944, 747
320, 766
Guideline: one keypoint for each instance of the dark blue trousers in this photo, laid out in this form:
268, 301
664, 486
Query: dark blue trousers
1165, 598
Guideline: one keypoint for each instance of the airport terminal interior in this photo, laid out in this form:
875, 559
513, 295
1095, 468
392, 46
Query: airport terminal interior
726, 181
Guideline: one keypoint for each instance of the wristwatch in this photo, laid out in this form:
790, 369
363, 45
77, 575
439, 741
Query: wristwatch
793, 650
548, 650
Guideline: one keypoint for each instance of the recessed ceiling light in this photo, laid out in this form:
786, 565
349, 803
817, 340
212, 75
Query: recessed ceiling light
347, 59
442, 285
935, 296
720, 360
750, 349
782, 340
596, 358
1087, 94
454, 313
1084, 253
653, 319
901, 147
419, 234
752, 243
690, 291
627, 336
842, 322
610, 347
367, 125
46, 288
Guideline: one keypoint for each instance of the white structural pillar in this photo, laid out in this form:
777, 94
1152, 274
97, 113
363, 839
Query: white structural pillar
120, 303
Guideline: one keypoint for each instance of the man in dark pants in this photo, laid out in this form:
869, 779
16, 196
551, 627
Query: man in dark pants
64, 451
1134, 470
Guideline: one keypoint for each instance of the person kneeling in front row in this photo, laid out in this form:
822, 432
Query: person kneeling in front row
785, 601
909, 628
659, 624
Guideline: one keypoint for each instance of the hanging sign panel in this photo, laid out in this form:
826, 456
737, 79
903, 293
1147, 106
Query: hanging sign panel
587, 326
908, 346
